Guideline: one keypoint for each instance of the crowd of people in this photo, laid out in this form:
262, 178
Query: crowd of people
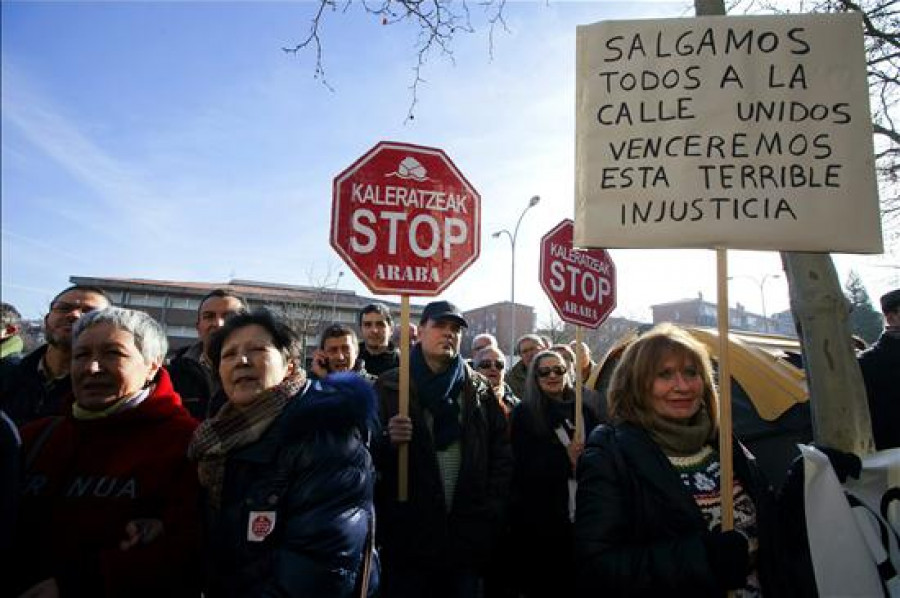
229, 469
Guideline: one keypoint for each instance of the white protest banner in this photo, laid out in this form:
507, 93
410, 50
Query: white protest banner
854, 546
725, 132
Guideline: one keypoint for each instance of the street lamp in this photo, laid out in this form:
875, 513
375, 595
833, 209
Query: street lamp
762, 295
512, 293
334, 296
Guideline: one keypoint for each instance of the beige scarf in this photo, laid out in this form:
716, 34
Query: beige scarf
234, 427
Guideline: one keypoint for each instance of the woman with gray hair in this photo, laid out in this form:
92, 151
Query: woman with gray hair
542, 433
109, 502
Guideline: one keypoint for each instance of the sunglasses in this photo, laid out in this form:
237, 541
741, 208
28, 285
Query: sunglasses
487, 363
546, 371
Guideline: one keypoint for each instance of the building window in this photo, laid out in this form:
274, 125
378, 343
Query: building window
115, 297
184, 303
147, 300
181, 331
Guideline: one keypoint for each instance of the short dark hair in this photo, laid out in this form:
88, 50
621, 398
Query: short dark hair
379, 308
284, 339
9, 315
220, 293
890, 301
336, 331
84, 288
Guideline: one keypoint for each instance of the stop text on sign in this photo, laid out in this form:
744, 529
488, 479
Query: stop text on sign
425, 233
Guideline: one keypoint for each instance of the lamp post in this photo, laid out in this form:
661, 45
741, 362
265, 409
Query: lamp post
334, 296
762, 294
512, 293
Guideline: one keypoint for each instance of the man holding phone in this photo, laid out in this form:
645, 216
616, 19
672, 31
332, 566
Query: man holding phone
338, 351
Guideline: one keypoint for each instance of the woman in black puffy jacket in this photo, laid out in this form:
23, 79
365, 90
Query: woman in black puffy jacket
286, 472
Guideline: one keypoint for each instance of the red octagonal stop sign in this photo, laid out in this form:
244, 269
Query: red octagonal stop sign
581, 284
405, 219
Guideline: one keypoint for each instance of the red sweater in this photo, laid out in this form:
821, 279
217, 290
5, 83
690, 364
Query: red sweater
89, 479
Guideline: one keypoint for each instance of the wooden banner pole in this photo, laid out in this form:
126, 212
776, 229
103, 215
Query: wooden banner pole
725, 454
403, 449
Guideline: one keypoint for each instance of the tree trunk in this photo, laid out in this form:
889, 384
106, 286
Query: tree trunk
837, 397
838, 402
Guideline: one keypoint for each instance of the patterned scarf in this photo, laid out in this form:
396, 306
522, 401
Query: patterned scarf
681, 438
234, 427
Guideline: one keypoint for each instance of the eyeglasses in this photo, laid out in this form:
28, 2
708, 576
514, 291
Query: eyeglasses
546, 371
487, 363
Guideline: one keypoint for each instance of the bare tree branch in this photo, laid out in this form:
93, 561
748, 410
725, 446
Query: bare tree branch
438, 23
313, 39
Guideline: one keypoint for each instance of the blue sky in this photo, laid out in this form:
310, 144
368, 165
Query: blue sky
175, 140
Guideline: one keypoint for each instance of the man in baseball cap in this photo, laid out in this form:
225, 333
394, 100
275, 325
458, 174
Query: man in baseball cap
439, 540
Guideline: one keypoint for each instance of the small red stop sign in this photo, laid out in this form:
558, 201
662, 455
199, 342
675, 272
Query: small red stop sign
581, 284
405, 219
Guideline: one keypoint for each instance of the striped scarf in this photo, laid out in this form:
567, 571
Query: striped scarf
234, 427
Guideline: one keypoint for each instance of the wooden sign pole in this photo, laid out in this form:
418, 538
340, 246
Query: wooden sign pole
403, 449
579, 367
726, 473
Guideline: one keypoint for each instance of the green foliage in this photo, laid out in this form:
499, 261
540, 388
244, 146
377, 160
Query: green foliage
865, 320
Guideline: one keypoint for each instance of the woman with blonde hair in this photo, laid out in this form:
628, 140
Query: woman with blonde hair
648, 503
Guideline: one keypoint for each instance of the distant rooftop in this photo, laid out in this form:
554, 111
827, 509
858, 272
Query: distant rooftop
250, 289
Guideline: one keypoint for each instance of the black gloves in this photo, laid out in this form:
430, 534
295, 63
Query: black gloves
729, 558
844, 464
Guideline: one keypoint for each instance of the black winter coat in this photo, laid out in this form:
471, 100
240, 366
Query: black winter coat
379, 364
639, 531
195, 382
24, 395
313, 469
880, 366
542, 534
419, 535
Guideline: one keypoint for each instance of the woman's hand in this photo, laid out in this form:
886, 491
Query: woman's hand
575, 449
141, 531
399, 429
44, 589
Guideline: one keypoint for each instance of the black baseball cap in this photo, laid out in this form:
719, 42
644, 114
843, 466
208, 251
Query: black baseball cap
443, 310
